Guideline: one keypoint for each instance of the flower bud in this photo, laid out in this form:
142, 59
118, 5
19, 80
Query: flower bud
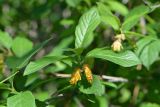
120, 37
76, 76
117, 46
139, 67
88, 73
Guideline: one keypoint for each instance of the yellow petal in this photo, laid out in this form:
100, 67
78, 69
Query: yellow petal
76, 76
88, 73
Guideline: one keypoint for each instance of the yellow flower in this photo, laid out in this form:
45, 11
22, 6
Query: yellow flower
88, 73
117, 46
76, 76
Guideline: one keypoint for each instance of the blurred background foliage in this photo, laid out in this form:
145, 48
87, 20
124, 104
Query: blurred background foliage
38, 20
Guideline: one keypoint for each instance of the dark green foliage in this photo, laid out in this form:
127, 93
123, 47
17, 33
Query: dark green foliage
43, 42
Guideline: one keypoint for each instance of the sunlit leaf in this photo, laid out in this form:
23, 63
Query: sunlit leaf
149, 104
125, 59
41, 63
87, 23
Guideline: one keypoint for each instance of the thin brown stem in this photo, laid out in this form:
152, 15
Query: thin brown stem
105, 77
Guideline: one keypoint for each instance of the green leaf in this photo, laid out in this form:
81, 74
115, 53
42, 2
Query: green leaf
118, 7
18, 63
89, 39
58, 66
150, 53
73, 3
149, 104
13, 62
133, 34
41, 63
67, 22
133, 16
96, 88
33, 52
87, 23
103, 101
142, 43
31, 78
137, 11
23, 99
107, 16
5, 39
110, 84
59, 49
125, 95
148, 50
4, 86
21, 46
125, 59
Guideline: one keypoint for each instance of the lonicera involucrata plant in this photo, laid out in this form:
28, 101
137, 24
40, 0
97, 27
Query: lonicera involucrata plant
75, 66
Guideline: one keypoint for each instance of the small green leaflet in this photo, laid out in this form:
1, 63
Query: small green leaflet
87, 23
125, 59
5, 39
21, 46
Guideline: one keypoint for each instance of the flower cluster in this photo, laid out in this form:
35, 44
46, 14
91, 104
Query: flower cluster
117, 44
76, 76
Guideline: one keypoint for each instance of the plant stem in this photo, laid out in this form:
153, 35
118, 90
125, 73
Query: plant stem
9, 77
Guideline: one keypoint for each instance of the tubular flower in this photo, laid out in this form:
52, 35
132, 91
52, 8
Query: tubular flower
88, 73
76, 76
117, 46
